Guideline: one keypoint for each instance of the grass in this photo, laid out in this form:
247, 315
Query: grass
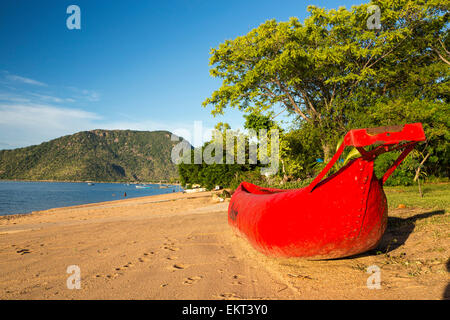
435, 196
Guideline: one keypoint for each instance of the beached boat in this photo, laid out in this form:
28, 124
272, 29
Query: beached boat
194, 190
342, 215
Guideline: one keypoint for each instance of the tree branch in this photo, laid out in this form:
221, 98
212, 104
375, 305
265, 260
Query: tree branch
440, 56
292, 101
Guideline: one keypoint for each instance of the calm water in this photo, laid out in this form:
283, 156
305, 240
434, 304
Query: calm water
25, 197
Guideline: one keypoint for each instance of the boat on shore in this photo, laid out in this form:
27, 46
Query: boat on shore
342, 215
194, 190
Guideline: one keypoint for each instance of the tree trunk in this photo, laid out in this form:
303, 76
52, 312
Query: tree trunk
420, 189
326, 152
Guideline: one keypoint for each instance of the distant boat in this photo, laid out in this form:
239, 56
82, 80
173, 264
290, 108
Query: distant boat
90, 184
143, 187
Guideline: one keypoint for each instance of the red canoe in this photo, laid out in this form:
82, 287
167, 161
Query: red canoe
343, 215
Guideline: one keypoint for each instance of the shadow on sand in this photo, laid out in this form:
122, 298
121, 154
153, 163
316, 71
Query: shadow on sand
397, 232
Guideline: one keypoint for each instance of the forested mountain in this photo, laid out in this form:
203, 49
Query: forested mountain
97, 155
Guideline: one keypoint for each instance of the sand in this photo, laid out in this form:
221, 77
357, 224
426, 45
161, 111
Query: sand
179, 246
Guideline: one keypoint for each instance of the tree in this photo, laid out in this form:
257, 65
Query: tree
329, 69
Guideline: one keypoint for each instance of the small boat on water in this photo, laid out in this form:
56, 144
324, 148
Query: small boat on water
143, 186
90, 183
342, 215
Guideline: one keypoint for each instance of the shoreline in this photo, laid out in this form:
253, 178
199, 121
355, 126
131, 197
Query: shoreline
8, 215
87, 181
92, 204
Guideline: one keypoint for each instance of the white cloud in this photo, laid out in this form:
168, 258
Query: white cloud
27, 124
30, 117
52, 98
84, 94
13, 98
17, 78
45, 91
23, 125
25, 115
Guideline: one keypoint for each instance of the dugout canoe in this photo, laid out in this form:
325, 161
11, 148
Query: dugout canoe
342, 215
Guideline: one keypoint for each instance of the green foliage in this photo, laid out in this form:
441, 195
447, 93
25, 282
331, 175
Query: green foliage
258, 121
211, 175
403, 175
334, 74
223, 174
98, 155
252, 176
302, 153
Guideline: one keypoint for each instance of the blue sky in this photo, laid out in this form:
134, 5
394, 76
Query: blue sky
139, 65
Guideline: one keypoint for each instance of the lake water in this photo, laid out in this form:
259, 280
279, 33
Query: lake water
25, 197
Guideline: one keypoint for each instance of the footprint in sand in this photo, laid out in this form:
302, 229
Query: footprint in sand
178, 267
23, 251
192, 280
236, 278
125, 267
170, 245
169, 242
230, 296
143, 259
170, 248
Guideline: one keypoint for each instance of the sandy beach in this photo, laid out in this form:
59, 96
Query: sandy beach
179, 246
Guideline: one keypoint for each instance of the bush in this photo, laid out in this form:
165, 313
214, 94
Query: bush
403, 175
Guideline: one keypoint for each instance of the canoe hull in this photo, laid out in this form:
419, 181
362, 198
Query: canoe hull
344, 215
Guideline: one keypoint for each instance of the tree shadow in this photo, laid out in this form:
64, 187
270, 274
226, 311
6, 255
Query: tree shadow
397, 232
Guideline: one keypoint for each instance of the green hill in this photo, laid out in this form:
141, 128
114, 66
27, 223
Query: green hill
97, 155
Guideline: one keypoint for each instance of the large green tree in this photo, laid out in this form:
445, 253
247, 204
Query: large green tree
331, 68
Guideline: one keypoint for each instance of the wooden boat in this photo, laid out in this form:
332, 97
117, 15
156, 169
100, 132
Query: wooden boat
342, 215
